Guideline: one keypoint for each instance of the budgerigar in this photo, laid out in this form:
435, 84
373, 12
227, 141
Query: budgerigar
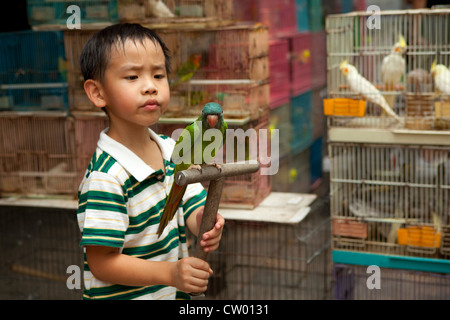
188, 69
211, 117
159, 9
393, 69
361, 86
441, 76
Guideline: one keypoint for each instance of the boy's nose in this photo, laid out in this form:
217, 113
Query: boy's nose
149, 87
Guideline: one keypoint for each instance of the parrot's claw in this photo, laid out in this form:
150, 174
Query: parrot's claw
196, 167
216, 165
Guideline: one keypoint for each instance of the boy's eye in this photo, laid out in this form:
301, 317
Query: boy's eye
159, 76
131, 77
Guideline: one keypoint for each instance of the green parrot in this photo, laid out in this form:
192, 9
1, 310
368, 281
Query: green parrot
188, 69
211, 118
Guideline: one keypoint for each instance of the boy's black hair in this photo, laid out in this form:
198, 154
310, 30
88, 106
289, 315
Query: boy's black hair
96, 52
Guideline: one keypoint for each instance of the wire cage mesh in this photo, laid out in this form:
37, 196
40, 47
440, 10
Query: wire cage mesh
38, 247
173, 11
400, 75
55, 13
390, 199
273, 260
32, 78
32, 163
228, 65
350, 283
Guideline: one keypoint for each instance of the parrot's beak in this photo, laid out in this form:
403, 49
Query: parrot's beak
212, 120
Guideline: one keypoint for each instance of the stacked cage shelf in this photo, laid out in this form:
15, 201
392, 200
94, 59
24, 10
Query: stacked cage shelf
389, 183
266, 70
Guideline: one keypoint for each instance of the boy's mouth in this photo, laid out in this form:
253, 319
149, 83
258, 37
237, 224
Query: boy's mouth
150, 105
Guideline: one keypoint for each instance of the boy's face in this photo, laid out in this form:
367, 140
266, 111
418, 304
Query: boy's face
135, 84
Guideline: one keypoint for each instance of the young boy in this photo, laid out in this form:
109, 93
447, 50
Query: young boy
123, 193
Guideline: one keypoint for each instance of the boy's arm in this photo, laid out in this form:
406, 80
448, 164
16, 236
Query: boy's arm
108, 264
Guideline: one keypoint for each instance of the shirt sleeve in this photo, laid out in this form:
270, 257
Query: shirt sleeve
102, 211
194, 197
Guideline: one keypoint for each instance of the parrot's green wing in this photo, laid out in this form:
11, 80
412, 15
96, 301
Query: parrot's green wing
183, 155
182, 147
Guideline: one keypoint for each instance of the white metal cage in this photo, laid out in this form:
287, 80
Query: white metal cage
364, 40
390, 198
350, 283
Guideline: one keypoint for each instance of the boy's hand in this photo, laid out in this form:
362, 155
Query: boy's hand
210, 240
191, 275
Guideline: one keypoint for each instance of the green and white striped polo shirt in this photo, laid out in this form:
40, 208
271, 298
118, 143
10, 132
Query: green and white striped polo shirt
120, 202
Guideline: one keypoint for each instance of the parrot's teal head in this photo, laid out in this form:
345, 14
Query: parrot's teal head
212, 114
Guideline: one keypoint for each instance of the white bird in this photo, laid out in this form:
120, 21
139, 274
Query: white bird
441, 76
159, 9
361, 86
393, 68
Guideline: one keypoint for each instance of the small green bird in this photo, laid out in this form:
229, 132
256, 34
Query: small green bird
188, 69
211, 118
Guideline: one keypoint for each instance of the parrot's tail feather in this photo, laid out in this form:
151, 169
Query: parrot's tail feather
173, 202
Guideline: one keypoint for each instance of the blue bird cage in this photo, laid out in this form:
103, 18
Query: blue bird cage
54, 12
33, 72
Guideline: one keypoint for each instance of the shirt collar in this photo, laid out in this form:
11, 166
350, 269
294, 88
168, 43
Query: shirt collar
128, 159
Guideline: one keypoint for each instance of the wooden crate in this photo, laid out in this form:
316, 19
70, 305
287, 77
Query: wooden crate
37, 154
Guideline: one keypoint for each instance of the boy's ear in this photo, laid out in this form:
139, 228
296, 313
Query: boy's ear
94, 92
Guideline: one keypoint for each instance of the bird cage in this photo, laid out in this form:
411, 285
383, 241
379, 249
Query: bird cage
279, 251
350, 283
279, 15
390, 198
380, 69
279, 69
74, 41
228, 65
57, 14
32, 77
37, 154
39, 245
175, 11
